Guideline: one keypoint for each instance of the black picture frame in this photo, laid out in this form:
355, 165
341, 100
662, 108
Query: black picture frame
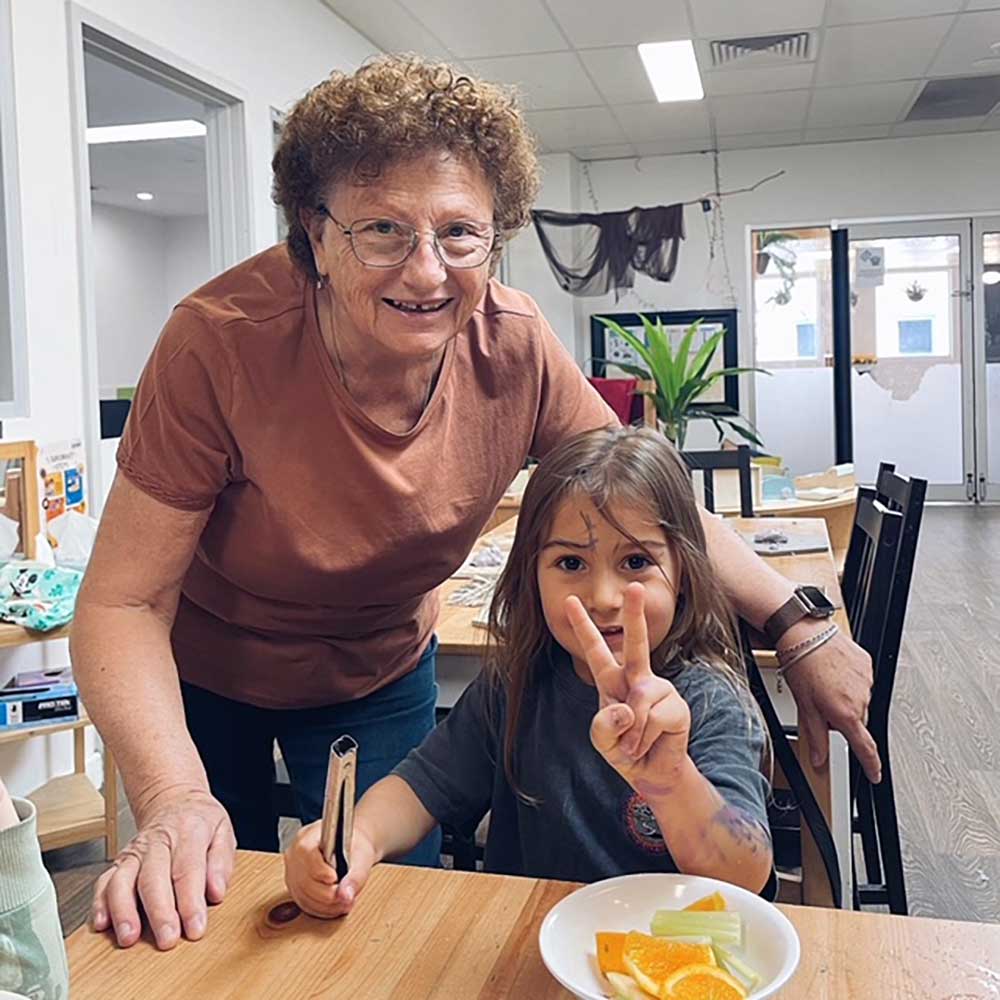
727, 318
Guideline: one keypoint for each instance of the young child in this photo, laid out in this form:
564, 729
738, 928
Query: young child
611, 730
32, 956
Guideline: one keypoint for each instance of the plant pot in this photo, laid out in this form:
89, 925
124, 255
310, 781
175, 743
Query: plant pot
763, 258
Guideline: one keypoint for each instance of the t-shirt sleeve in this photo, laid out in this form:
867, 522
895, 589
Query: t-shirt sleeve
726, 743
177, 445
569, 404
453, 769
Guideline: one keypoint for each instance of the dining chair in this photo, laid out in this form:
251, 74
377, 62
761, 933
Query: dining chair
877, 609
800, 802
707, 462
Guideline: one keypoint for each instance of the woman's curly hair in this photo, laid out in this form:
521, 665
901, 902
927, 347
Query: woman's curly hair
395, 107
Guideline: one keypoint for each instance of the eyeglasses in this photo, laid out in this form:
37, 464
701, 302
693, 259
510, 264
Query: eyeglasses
387, 243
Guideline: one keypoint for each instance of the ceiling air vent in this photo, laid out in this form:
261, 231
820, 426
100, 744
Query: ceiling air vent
959, 97
792, 46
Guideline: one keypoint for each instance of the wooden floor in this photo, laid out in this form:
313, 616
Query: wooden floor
945, 730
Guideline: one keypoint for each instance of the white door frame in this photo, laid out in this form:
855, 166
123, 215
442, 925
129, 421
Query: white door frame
227, 167
962, 228
11, 247
987, 479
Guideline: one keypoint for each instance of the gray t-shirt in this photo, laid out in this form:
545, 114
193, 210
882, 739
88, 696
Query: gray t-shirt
590, 824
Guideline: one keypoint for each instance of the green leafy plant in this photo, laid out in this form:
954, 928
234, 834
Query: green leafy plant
681, 378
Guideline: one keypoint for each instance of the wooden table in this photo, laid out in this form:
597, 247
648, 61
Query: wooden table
418, 934
459, 659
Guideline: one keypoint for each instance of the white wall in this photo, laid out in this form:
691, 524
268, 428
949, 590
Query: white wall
271, 52
130, 297
187, 265
951, 174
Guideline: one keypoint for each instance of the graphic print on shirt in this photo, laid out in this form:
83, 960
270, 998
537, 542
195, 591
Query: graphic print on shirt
642, 825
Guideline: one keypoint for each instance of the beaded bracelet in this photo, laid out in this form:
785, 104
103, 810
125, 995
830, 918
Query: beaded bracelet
795, 653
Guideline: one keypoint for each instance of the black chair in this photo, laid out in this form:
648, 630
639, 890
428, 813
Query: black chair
708, 461
876, 589
800, 803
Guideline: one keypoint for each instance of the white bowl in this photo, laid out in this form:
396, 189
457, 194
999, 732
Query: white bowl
566, 937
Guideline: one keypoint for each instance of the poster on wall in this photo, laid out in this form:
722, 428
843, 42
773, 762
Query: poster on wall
61, 471
608, 350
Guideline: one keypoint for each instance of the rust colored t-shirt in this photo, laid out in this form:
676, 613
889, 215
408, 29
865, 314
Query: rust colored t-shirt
314, 579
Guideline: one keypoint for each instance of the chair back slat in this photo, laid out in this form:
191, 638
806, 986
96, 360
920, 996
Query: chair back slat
708, 461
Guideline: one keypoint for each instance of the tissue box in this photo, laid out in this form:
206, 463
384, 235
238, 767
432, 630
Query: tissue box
33, 706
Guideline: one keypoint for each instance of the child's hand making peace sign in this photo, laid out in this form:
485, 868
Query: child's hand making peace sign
642, 726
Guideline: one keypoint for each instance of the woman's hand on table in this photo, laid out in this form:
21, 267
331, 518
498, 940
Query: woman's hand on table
180, 861
832, 688
313, 883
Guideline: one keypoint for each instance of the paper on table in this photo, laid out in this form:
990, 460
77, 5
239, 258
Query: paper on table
822, 493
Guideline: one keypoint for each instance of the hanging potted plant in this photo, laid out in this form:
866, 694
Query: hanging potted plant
916, 291
681, 378
778, 241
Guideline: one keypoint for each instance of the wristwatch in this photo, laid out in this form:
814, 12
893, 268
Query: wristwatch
806, 602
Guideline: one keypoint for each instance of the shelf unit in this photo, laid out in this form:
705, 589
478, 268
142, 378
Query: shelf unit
70, 809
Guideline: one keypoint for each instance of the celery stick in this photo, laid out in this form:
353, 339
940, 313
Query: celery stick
724, 928
735, 966
626, 988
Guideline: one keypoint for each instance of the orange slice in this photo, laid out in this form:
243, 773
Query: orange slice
702, 982
651, 961
609, 951
710, 904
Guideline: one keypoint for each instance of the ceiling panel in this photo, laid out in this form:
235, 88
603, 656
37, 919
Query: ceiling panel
668, 147
117, 96
755, 81
597, 24
849, 133
938, 127
778, 112
510, 28
733, 19
553, 80
760, 140
558, 131
614, 152
619, 74
856, 11
970, 40
390, 26
890, 50
651, 121
868, 104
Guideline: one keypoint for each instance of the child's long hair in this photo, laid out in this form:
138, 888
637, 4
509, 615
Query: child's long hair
612, 467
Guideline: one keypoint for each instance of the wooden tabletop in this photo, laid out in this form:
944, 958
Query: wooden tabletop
458, 636
418, 933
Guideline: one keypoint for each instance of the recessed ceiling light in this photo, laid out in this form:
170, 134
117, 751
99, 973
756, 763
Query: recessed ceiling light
144, 196
144, 131
991, 277
672, 70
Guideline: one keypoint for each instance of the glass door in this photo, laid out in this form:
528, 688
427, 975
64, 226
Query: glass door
986, 268
913, 382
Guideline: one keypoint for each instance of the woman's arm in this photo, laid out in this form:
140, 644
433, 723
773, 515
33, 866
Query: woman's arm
182, 855
707, 836
389, 822
832, 685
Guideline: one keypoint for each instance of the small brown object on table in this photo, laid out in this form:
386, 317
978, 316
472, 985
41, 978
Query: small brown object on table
459, 637
424, 934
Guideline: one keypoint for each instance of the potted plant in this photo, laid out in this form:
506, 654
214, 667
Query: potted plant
778, 241
681, 377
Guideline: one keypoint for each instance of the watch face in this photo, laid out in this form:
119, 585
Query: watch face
820, 605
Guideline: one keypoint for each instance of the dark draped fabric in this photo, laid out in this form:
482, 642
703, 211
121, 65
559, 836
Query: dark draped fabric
593, 253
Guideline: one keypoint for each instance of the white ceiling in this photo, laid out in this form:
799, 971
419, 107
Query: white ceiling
172, 170
585, 90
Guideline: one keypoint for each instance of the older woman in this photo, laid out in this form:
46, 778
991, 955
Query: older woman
315, 444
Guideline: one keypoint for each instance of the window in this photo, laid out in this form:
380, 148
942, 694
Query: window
916, 336
806, 339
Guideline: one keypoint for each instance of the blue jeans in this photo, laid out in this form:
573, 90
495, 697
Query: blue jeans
236, 740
